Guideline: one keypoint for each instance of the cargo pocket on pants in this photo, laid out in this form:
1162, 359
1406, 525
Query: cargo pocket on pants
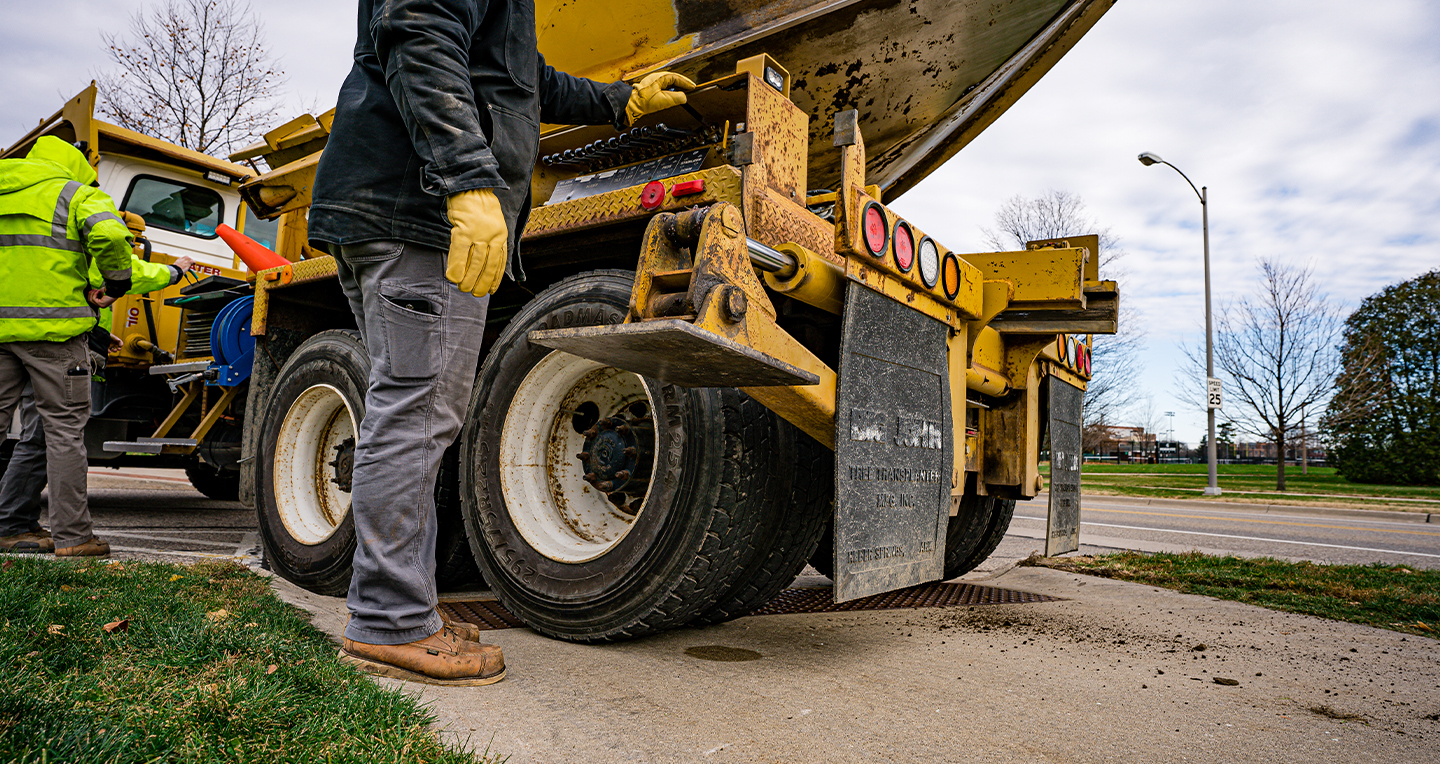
412, 331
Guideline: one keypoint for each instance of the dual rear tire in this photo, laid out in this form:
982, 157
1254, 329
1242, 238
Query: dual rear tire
602, 505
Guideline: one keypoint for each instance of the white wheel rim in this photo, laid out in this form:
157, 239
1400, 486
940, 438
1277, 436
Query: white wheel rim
310, 502
543, 481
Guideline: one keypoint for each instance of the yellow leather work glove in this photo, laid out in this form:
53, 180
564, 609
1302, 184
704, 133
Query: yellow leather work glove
653, 93
477, 241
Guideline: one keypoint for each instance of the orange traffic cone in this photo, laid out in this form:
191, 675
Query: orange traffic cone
256, 257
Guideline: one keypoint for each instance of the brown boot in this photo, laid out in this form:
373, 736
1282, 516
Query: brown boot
29, 542
466, 630
92, 548
441, 658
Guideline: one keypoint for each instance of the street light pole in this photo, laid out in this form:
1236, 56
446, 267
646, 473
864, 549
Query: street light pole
1212, 488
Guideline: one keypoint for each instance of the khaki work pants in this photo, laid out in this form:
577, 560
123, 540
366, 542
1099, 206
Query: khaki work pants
60, 374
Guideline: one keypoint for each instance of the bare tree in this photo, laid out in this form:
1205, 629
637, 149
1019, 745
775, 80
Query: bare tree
1113, 390
1278, 354
193, 72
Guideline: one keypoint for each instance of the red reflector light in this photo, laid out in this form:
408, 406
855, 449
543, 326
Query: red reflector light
950, 276
877, 233
688, 187
904, 247
652, 195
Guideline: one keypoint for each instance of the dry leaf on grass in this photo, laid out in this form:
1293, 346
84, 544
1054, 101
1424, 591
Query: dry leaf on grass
272, 668
8, 564
114, 626
218, 615
57, 628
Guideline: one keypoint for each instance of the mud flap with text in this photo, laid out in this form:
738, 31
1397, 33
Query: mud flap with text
1063, 530
893, 447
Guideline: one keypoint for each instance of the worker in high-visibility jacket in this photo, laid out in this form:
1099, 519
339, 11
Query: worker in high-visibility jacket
53, 224
24, 479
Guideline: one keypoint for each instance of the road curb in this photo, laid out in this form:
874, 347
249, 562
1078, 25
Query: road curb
1284, 509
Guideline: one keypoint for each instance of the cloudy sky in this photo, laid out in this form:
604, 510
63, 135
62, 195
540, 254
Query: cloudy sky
1315, 124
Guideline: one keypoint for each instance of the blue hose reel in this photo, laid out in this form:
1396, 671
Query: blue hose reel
231, 344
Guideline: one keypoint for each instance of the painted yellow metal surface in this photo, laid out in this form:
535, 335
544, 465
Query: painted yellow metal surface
1046, 278
305, 271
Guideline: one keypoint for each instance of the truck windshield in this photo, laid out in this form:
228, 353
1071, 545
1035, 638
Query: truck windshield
263, 231
174, 206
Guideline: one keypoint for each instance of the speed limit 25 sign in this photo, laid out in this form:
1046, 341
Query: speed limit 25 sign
1212, 393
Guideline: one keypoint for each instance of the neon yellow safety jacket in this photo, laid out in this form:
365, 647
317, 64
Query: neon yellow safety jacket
53, 227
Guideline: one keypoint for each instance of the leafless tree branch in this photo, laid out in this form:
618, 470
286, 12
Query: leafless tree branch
1277, 353
193, 72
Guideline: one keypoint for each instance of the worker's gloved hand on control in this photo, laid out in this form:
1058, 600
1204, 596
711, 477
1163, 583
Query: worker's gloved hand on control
655, 92
478, 237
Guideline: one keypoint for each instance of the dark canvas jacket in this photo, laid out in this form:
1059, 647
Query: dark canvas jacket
445, 96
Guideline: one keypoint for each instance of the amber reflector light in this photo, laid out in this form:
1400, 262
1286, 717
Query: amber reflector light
950, 276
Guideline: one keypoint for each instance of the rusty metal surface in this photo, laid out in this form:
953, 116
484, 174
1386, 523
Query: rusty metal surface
674, 351
490, 615
926, 75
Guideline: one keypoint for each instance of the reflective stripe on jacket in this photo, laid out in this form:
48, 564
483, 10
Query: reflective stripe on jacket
53, 227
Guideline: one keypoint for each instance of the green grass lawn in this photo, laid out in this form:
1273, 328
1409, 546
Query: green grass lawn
1394, 597
1254, 483
138, 662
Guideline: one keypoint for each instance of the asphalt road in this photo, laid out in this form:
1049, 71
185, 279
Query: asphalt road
1218, 528
156, 515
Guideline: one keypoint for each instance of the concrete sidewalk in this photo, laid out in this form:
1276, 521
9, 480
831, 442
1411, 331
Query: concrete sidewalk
1114, 673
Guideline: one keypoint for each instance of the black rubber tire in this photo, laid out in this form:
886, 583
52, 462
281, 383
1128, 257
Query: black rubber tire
454, 563
221, 485
683, 547
971, 535
823, 558
975, 531
800, 508
338, 357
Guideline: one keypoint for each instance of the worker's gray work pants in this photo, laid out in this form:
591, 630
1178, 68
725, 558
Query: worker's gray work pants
60, 374
423, 336
24, 478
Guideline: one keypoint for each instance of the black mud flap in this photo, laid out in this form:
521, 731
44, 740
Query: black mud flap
893, 447
1063, 530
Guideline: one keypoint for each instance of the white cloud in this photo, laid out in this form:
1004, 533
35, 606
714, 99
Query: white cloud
1315, 125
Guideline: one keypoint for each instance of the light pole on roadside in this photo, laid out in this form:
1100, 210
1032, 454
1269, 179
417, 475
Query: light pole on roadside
1212, 488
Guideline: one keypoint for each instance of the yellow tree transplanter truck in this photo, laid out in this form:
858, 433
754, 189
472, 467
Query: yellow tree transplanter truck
729, 356
159, 404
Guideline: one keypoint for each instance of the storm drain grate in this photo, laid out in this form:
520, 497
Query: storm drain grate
924, 595
489, 614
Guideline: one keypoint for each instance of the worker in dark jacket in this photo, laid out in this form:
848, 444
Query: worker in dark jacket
421, 194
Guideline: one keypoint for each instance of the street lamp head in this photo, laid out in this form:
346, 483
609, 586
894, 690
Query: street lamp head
1148, 159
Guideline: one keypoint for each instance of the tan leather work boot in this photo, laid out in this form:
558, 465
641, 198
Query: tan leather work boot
442, 658
465, 629
30, 541
92, 548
